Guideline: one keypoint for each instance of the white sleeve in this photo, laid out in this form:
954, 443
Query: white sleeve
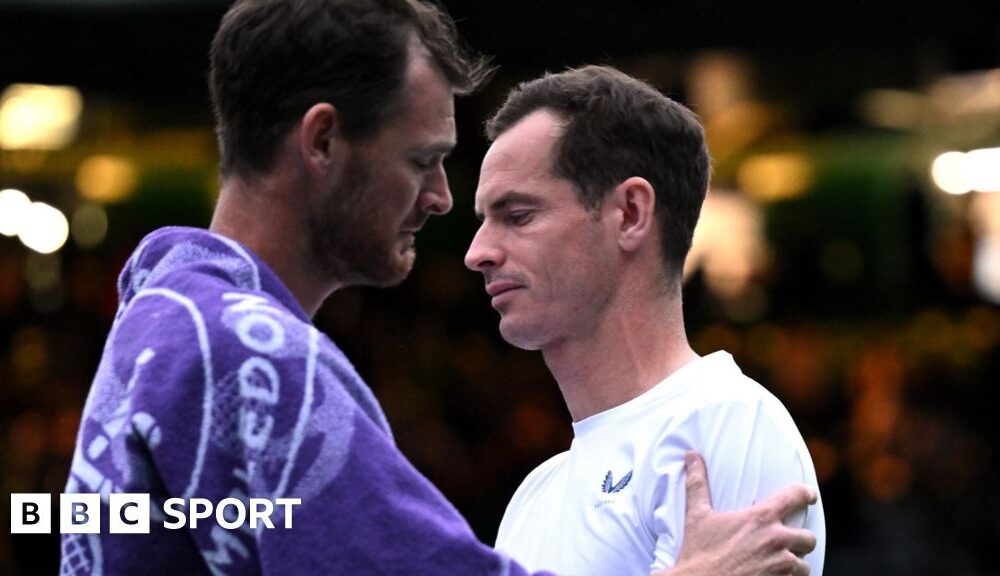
752, 450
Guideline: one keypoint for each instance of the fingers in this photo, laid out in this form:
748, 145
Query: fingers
791, 500
699, 499
801, 542
801, 568
788, 564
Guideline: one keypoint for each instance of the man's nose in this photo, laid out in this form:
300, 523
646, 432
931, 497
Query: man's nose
436, 198
484, 252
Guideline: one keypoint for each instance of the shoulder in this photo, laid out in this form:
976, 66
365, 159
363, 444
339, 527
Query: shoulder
745, 407
751, 446
192, 331
744, 432
733, 412
545, 470
538, 478
210, 306
718, 396
533, 490
190, 275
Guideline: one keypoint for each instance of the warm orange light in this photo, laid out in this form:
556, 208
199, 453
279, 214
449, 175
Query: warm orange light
778, 176
37, 117
105, 178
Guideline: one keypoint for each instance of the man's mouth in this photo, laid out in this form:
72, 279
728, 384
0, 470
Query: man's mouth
499, 287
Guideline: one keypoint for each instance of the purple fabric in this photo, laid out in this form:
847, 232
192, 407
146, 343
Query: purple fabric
214, 384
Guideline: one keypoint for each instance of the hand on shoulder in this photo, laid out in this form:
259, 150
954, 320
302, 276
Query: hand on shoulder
749, 542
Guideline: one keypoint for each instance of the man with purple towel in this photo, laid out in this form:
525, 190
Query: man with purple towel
333, 118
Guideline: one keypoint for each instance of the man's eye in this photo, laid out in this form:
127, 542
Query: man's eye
428, 164
519, 218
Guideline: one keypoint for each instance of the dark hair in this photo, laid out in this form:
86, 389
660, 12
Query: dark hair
271, 60
617, 127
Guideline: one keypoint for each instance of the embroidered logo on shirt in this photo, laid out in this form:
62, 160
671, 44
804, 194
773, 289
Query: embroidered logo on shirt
609, 486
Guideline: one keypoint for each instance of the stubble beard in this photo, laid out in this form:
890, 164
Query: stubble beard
540, 326
351, 236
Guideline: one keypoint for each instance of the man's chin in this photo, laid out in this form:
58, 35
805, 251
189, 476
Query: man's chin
395, 270
518, 335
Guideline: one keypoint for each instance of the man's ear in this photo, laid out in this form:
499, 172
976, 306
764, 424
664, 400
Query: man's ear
320, 137
635, 201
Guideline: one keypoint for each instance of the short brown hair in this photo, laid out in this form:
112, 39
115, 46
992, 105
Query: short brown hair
617, 127
273, 59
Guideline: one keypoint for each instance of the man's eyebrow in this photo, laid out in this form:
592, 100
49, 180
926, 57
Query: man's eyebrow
507, 198
444, 148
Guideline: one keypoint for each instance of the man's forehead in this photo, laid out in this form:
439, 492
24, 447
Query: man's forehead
538, 130
531, 144
426, 87
523, 153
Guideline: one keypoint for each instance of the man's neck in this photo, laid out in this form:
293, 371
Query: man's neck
634, 348
255, 214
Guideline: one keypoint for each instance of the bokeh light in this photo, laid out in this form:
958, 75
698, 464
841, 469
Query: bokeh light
13, 204
962, 172
983, 168
37, 117
90, 225
44, 228
948, 172
777, 176
106, 178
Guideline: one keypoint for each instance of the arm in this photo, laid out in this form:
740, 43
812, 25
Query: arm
752, 450
750, 542
288, 422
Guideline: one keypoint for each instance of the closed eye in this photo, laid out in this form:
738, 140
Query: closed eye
428, 161
519, 217
425, 164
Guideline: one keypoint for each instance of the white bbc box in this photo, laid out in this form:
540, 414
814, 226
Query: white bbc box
129, 514
80, 513
30, 513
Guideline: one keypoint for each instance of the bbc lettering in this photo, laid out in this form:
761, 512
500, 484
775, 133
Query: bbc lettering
130, 513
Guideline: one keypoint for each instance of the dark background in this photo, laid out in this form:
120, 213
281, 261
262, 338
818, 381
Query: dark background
866, 324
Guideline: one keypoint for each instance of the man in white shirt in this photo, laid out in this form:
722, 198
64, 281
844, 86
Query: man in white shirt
588, 198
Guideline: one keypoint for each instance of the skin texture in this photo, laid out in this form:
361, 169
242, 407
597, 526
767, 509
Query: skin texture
587, 288
544, 297
364, 221
334, 212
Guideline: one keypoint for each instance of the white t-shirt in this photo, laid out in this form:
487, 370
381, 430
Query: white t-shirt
614, 503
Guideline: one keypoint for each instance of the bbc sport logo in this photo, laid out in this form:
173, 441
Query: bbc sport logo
130, 513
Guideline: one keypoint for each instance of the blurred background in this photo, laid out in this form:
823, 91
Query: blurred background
848, 253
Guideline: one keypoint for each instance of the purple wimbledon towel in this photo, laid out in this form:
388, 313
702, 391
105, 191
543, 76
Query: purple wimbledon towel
214, 384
